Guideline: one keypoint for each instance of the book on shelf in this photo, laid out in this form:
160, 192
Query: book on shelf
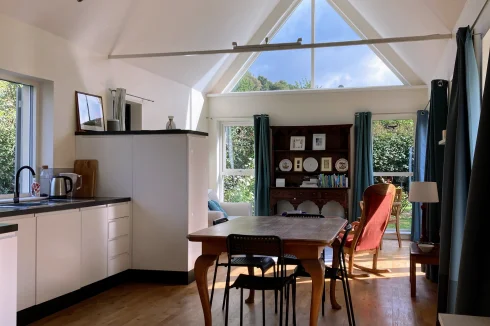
333, 181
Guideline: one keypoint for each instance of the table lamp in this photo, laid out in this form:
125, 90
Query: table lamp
423, 192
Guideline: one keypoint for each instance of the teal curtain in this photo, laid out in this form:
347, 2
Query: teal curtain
419, 167
455, 184
473, 291
363, 168
262, 164
434, 162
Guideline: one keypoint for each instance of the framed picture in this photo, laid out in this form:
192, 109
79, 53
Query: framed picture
90, 112
326, 164
298, 164
319, 142
297, 143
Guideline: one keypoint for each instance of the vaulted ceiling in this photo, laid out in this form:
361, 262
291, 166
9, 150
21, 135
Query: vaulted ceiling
143, 26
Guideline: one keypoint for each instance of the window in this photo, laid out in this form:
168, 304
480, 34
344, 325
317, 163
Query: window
393, 142
352, 66
16, 126
237, 162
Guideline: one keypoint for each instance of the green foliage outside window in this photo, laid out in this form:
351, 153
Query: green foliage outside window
8, 116
239, 148
250, 83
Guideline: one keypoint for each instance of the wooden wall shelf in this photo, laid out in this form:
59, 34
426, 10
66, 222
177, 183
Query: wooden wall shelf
337, 144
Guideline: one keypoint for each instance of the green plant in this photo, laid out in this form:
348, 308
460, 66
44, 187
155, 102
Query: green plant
8, 117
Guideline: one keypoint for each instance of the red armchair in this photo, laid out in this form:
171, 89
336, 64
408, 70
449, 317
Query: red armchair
368, 232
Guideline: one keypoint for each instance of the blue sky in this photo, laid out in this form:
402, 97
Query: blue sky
355, 66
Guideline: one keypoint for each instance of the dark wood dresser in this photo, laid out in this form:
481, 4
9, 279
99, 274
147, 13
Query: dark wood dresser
337, 146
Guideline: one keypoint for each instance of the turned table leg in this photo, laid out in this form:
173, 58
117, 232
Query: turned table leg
201, 267
316, 269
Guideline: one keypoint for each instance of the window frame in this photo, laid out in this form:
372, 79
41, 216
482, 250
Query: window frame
223, 171
277, 27
31, 140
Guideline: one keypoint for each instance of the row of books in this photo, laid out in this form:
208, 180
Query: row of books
333, 181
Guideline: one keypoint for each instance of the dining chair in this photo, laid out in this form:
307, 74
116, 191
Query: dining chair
263, 263
394, 217
265, 246
333, 274
368, 232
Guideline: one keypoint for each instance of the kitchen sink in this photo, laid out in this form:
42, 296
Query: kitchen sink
24, 204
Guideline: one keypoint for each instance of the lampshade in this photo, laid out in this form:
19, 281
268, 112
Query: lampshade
423, 192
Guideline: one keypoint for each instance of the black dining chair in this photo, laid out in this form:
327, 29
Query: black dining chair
333, 275
263, 263
259, 245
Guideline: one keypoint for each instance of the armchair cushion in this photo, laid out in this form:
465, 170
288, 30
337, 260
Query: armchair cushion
237, 209
214, 215
216, 207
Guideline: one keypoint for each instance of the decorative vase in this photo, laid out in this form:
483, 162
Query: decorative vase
171, 123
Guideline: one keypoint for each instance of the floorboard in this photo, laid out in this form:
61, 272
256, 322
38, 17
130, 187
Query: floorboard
378, 300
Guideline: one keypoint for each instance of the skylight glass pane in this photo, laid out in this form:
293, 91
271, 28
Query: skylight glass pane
330, 26
352, 66
283, 70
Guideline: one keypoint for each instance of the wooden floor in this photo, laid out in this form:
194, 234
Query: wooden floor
378, 300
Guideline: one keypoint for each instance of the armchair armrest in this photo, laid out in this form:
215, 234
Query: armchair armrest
237, 209
214, 215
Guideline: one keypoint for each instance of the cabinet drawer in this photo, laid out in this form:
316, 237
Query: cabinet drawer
118, 227
118, 246
117, 210
118, 264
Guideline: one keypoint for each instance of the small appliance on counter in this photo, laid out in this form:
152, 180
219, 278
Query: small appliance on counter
59, 188
74, 179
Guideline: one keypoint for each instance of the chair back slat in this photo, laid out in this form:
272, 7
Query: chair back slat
238, 244
378, 203
305, 215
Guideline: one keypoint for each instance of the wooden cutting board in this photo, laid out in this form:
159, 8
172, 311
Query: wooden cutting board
88, 170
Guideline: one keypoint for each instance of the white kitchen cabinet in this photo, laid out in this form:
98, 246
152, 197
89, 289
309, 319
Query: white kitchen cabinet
58, 254
8, 279
26, 259
94, 244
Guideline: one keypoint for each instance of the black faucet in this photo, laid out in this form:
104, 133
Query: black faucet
17, 175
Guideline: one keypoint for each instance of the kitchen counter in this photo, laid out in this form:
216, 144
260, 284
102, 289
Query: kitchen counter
7, 228
58, 205
141, 132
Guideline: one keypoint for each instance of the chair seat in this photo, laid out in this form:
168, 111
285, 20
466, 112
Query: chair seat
350, 238
264, 263
250, 282
291, 259
330, 273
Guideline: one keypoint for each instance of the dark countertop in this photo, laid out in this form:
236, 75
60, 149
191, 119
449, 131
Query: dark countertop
141, 132
56, 205
7, 228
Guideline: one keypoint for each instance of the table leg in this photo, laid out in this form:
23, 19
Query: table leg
413, 281
316, 269
251, 294
201, 267
335, 264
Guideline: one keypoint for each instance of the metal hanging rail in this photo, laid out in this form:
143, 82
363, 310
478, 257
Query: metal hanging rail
141, 98
285, 46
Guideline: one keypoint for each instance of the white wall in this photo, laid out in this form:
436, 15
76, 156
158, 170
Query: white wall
32, 52
314, 107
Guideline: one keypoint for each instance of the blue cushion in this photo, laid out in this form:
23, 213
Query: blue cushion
213, 205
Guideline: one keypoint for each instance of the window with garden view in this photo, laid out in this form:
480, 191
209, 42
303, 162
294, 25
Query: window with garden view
16, 125
237, 162
393, 142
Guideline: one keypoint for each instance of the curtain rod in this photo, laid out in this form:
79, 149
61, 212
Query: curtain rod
141, 98
479, 15
285, 46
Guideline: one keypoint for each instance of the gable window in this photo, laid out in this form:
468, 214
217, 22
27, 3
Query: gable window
237, 162
16, 140
315, 21
393, 142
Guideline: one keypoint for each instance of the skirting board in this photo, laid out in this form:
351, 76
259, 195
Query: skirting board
31, 314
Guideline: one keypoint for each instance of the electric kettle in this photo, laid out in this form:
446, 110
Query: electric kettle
59, 187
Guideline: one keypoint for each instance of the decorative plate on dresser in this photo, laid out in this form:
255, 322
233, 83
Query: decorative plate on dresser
285, 165
310, 164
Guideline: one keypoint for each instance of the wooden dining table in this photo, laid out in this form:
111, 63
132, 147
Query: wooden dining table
304, 238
